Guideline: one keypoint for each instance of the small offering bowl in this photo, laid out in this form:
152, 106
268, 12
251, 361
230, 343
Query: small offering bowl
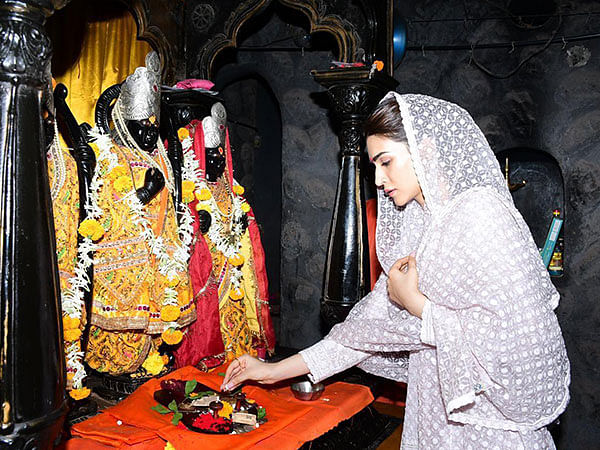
305, 390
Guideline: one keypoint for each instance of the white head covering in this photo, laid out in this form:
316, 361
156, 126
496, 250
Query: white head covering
450, 155
500, 353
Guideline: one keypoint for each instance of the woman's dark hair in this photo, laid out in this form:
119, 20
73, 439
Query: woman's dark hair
386, 120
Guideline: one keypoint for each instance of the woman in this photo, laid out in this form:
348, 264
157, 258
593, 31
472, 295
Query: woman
464, 292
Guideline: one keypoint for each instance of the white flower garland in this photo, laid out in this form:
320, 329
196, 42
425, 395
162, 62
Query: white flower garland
216, 233
73, 297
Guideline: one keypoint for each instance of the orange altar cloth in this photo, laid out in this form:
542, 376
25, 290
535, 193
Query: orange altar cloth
291, 422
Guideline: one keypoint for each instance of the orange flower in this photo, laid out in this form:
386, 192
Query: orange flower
236, 260
378, 65
72, 335
78, 394
238, 189
183, 133
70, 323
237, 294
171, 336
169, 313
70, 376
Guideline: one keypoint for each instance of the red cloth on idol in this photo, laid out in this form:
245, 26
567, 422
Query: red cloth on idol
203, 336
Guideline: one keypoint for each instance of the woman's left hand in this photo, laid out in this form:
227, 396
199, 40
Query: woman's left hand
403, 286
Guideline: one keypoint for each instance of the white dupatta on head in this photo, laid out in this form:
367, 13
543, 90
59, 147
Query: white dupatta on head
500, 354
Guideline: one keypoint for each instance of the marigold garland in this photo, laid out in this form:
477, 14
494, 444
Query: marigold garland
219, 233
236, 260
203, 194
80, 393
183, 133
153, 364
107, 164
171, 336
91, 229
170, 313
72, 335
117, 172
70, 323
123, 184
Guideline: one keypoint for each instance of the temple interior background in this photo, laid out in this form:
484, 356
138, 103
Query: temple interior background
536, 103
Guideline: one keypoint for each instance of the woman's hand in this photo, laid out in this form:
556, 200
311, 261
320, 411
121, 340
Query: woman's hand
246, 368
403, 286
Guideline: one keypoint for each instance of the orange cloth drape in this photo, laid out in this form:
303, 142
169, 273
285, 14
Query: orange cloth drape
290, 422
95, 46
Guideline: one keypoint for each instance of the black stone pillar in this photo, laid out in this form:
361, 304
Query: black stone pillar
32, 394
354, 93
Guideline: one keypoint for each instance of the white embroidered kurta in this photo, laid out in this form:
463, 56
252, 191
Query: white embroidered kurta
486, 366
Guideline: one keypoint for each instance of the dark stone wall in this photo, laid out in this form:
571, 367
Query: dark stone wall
550, 104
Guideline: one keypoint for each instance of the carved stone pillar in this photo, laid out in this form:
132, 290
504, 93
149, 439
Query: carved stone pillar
32, 394
354, 93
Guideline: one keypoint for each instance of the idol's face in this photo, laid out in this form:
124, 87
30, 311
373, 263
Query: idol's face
215, 163
145, 133
394, 172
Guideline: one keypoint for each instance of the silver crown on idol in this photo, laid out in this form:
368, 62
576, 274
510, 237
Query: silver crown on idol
140, 93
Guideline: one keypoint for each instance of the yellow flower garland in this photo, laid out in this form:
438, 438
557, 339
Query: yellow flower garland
171, 336
91, 229
123, 184
183, 133
169, 313
153, 363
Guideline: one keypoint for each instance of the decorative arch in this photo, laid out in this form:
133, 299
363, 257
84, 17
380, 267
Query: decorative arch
153, 34
342, 30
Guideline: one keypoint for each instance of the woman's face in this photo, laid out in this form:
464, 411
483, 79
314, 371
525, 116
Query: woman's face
394, 172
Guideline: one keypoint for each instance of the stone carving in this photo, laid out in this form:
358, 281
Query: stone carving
30, 347
203, 17
24, 48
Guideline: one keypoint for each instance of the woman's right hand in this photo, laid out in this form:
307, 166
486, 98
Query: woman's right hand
246, 368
